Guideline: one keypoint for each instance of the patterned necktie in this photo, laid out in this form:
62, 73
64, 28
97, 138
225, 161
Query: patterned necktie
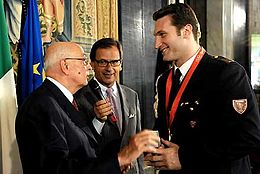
74, 103
115, 116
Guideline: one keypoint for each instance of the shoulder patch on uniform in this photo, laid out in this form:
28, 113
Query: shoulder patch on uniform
224, 59
240, 105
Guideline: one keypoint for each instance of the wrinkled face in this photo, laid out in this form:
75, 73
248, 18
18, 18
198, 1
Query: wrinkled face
81, 70
168, 39
107, 65
79, 67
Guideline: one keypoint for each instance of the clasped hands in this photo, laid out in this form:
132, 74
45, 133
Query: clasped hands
165, 157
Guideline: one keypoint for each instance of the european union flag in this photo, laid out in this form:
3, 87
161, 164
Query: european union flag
30, 73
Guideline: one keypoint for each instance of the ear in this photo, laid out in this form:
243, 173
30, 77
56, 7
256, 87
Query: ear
187, 31
64, 67
120, 69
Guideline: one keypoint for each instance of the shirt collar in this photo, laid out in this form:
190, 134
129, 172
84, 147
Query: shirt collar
186, 66
63, 89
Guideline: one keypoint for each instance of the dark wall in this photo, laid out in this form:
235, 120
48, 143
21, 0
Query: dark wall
241, 40
136, 36
200, 8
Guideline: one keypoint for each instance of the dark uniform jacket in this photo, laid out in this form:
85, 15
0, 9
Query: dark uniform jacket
53, 138
111, 140
217, 123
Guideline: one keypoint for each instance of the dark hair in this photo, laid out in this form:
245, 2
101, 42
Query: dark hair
105, 43
182, 14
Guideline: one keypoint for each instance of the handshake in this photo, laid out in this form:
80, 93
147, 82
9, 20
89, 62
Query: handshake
160, 153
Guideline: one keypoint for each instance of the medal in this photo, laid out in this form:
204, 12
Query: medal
169, 134
181, 90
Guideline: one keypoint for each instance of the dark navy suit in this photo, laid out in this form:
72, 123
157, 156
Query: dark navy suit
54, 138
213, 137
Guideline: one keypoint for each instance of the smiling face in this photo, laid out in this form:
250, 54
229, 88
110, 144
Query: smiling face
168, 39
106, 75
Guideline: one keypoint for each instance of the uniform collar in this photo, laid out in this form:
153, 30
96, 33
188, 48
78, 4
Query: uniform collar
186, 66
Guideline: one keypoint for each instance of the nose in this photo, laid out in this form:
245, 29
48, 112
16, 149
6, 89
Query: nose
157, 42
88, 67
89, 70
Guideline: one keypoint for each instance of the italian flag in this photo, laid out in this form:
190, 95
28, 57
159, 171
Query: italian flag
9, 156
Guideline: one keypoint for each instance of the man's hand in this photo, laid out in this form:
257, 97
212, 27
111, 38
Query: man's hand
165, 157
125, 169
144, 141
102, 109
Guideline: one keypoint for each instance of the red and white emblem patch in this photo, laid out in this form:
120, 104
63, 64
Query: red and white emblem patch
240, 105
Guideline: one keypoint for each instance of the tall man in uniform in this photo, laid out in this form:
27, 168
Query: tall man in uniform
207, 111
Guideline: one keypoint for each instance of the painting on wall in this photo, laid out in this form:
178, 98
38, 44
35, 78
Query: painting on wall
81, 21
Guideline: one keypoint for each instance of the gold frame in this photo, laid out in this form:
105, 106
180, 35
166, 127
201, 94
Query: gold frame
92, 20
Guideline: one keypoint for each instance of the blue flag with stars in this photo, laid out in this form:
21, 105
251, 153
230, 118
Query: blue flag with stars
30, 73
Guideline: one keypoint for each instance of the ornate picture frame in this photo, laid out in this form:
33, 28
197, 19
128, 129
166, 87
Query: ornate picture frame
85, 21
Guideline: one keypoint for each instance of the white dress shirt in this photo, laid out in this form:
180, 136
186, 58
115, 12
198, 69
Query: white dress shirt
186, 66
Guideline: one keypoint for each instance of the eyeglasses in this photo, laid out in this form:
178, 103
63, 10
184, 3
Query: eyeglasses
84, 59
104, 63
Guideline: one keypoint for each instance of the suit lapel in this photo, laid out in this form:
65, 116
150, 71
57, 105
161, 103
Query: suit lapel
124, 108
76, 117
86, 99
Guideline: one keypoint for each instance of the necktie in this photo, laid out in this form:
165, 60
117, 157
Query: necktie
176, 78
111, 131
74, 103
175, 86
115, 115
